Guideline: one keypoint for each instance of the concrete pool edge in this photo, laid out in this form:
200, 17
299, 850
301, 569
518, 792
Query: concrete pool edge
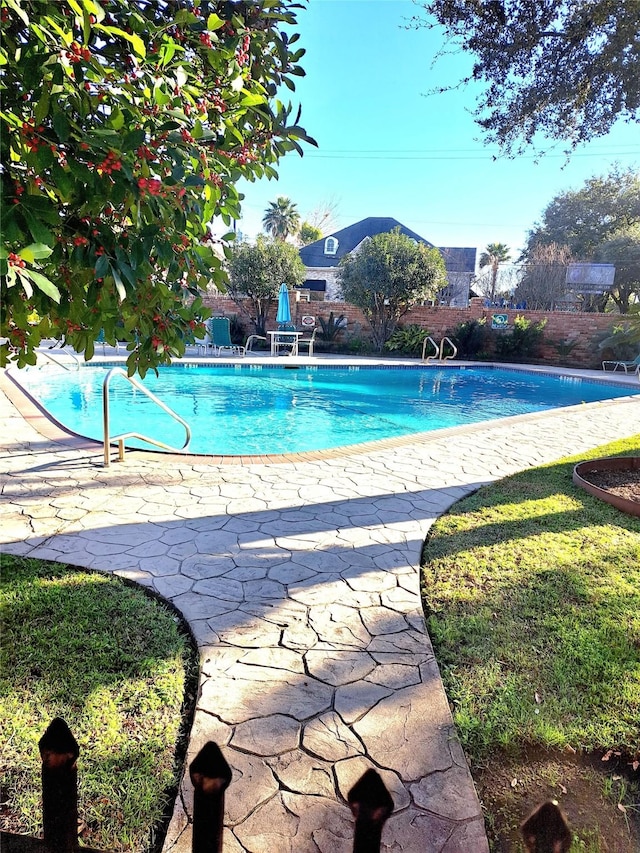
47, 426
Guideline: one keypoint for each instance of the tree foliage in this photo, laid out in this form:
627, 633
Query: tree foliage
308, 233
281, 218
583, 219
598, 222
257, 271
623, 250
544, 276
386, 275
125, 126
563, 69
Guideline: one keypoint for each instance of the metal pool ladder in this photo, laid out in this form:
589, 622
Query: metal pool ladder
108, 438
438, 352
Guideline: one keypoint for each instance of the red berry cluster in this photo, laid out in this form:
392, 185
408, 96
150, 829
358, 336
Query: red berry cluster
242, 156
150, 185
111, 163
218, 103
77, 53
184, 243
16, 261
205, 39
176, 33
145, 153
242, 53
30, 134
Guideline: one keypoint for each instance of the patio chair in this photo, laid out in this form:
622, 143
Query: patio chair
220, 330
627, 366
308, 342
202, 344
248, 344
288, 343
104, 344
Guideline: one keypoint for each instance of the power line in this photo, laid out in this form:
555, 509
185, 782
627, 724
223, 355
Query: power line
434, 155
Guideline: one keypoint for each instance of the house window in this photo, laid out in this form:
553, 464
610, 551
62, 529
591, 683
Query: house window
330, 246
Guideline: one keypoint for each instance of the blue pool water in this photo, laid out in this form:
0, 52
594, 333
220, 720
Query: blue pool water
245, 410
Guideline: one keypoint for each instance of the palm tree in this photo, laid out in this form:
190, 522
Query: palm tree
494, 255
281, 218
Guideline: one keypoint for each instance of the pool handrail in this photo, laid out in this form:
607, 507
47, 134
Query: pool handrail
444, 357
74, 357
120, 438
436, 353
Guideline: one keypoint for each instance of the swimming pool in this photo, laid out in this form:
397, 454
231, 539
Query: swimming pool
256, 410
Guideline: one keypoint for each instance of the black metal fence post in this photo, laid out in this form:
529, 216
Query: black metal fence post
59, 751
371, 804
210, 775
546, 830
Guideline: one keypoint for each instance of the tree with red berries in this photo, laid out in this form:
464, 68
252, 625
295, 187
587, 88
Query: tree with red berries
125, 126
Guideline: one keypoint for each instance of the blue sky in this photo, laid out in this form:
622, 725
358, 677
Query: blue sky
387, 148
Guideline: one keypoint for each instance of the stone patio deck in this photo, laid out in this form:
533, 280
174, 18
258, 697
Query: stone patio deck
300, 583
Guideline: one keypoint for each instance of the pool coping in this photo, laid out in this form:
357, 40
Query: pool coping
42, 421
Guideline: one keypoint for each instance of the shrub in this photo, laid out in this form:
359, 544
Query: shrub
470, 337
618, 343
522, 341
331, 327
564, 346
407, 339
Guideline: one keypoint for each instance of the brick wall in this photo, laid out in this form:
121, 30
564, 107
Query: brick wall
560, 326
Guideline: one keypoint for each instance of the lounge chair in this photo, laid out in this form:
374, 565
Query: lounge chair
220, 330
627, 366
308, 342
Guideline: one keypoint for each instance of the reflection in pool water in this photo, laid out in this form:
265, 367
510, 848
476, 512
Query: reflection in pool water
252, 409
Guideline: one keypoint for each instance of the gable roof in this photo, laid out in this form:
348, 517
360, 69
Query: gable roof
348, 238
458, 260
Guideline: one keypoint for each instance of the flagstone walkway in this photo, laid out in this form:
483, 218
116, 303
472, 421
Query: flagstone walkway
300, 583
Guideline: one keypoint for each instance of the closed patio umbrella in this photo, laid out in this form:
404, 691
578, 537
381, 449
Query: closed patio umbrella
283, 315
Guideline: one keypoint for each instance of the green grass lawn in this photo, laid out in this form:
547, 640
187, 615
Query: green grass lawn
531, 589
114, 663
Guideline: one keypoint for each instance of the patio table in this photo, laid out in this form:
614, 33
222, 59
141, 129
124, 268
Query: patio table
284, 339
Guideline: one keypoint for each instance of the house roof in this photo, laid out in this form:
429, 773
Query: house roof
313, 255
